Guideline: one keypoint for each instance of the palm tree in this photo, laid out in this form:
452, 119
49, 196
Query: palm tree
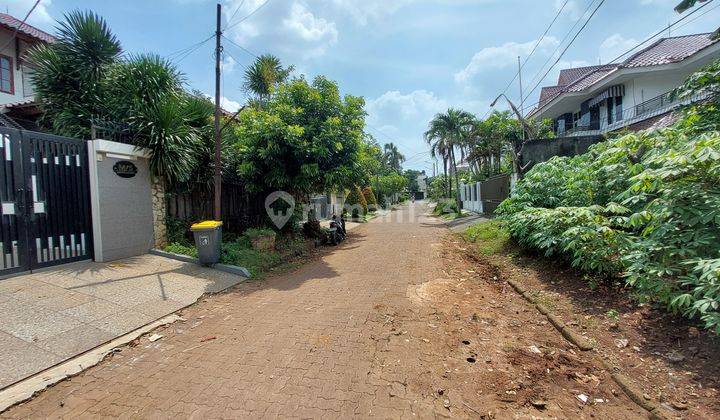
264, 75
393, 157
452, 129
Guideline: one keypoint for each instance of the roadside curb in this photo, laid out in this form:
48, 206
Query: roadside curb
656, 411
29, 387
226, 268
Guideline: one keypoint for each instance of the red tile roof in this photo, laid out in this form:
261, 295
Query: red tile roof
568, 76
25, 29
669, 50
548, 93
663, 51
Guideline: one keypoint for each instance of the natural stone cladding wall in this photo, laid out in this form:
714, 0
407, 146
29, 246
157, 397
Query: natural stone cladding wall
159, 212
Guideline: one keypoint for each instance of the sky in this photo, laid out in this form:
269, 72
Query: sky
409, 59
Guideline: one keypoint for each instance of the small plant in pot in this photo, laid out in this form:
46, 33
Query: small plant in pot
262, 239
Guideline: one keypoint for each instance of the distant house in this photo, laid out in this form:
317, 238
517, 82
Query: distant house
17, 93
422, 186
634, 94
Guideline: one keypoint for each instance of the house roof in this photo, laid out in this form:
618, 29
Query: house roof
568, 76
669, 50
664, 51
23, 28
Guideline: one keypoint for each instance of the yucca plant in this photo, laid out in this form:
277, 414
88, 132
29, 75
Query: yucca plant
68, 72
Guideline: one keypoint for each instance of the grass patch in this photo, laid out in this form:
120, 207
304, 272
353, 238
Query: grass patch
241, 253
454, 216
491, 237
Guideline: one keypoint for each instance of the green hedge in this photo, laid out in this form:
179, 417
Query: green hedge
643, 206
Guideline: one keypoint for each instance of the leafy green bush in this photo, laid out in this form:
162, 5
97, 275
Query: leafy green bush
239, 254
370, 199
355, 203
643, 206
182, 249
177, 231
445, 207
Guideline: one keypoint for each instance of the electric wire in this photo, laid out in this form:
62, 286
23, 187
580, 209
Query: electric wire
22, 23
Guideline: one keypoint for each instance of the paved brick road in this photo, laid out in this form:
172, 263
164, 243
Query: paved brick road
297, 345
395, 323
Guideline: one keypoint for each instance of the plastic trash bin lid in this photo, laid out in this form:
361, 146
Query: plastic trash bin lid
207, 224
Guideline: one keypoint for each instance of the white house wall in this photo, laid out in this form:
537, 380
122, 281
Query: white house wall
19, 94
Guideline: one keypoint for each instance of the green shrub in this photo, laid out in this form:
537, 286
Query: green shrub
370, 199
643, 206
182, 249
355, 203
239, 254
445, 207
177, 231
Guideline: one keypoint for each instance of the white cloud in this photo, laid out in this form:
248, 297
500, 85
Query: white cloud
228, 64
393, 105
229, 105
307, 26
295, 31
572, 9
364, 11
19, 8
614, 45
502, 56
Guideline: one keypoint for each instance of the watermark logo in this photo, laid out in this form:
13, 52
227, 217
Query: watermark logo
280, 207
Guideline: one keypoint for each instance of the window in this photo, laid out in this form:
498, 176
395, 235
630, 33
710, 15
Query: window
6, 75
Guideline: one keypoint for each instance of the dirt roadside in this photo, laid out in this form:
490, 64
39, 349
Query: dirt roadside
671, 361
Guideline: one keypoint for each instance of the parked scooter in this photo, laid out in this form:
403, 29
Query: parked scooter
337, 230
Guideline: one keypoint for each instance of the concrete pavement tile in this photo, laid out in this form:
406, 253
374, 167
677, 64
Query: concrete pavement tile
122, 322
156, 309
32, 323
75, 341
64, 301
92, 311
19, 359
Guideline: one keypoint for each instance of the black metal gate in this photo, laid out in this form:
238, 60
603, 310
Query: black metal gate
45, 197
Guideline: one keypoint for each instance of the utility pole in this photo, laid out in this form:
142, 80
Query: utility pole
218, 142
522, 100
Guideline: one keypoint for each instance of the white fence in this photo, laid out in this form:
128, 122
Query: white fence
471, 196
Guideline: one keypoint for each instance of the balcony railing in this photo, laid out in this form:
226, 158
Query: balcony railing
656, 106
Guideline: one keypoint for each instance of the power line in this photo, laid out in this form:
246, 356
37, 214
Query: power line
535, 47
186, 49
648, 39
240, 46
557, 49
698, 17
248, 16
567, 47
191, 51
12, 38
242, 3
665, 28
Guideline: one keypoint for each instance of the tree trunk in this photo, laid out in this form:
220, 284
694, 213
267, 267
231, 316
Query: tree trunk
448, 187
457, 180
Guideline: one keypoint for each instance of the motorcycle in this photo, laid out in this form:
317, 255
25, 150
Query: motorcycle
336, 232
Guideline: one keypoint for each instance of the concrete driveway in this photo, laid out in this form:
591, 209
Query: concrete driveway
51, 316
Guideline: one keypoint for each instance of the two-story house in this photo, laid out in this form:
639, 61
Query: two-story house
17, 94
634, 94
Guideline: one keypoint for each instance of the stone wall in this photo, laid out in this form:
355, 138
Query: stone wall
159, 205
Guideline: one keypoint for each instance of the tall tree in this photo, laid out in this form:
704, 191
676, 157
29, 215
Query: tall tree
393, 158
453, 128
264, 76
